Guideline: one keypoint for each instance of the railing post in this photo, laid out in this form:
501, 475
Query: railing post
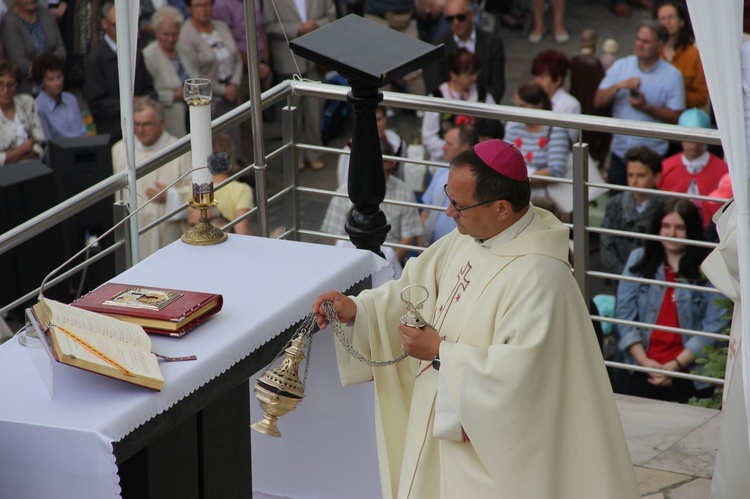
290, 158
259, 153
581, 218
123, 255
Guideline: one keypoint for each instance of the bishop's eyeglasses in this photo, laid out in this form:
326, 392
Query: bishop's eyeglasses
461, 210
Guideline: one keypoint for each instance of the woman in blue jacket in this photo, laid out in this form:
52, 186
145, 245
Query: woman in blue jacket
668, 261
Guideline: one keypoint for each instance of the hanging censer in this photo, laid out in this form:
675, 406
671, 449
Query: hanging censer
280, 390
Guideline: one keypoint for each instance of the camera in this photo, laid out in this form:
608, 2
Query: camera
634, 93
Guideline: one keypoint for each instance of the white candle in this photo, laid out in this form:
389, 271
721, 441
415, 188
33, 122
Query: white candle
198, 98
200, 142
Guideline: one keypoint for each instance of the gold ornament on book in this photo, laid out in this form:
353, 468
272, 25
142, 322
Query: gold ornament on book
280, 390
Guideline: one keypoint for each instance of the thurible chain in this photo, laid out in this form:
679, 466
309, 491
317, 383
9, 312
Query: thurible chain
333, 320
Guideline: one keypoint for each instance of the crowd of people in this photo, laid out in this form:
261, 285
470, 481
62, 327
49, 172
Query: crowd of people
51, 48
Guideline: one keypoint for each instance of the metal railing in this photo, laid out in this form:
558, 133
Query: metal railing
288, 195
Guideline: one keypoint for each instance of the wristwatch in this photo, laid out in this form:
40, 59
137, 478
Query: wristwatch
436, 362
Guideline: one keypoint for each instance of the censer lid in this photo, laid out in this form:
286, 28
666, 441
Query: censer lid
284, 380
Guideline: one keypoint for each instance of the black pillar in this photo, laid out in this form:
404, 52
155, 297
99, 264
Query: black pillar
367, 226
369, 56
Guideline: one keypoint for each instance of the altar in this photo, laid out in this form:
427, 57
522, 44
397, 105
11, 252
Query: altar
82, 442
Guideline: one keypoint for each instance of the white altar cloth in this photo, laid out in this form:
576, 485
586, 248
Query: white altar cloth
62, 448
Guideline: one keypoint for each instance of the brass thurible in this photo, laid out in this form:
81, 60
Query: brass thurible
280, 390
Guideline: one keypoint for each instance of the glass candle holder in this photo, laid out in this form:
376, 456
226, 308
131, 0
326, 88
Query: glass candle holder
198, 91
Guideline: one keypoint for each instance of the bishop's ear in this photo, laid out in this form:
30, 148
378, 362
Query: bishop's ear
504, 210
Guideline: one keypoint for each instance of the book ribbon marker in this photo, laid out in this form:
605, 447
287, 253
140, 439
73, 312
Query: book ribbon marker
91, 348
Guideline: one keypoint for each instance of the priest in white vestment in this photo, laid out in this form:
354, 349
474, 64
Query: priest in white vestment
505, 395
151, 137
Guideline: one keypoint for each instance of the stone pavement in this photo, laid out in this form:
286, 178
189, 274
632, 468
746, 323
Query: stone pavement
673, 446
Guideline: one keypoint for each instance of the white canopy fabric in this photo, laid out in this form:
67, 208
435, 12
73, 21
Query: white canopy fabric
719, 38
127, 37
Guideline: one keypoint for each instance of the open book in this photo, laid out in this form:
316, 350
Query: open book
99, 344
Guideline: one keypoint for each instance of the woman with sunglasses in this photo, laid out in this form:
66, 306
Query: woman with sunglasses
21, 133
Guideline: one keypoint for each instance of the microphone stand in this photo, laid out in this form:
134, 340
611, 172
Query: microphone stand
121, 222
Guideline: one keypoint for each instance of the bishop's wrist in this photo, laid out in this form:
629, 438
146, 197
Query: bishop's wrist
436, 358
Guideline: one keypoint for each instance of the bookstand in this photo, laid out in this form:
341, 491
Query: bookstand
40, 353
57, 378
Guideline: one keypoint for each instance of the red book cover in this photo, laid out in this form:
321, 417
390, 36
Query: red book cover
172, 312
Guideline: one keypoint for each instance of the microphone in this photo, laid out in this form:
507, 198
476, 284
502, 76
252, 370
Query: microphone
219, 162
216, 163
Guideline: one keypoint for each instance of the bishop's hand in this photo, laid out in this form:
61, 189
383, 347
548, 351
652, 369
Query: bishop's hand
420, 343
344, 306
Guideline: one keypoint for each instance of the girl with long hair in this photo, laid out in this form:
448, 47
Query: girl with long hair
670, 262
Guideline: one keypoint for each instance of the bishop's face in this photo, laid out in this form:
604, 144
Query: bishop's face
479, 222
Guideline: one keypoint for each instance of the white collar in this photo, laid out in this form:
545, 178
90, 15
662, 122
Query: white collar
696, 165
511, 232
112, 44
160, 142
468, 44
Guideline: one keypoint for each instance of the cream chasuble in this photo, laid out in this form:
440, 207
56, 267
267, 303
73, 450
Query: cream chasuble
520, 366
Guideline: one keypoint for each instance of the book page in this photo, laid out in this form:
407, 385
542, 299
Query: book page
138, 362
89, 324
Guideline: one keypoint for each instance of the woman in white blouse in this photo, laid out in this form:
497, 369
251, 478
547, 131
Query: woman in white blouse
170, 64
21, 133
214, 56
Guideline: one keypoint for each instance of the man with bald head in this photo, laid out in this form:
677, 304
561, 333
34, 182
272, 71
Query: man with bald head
488, 46
504, 394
